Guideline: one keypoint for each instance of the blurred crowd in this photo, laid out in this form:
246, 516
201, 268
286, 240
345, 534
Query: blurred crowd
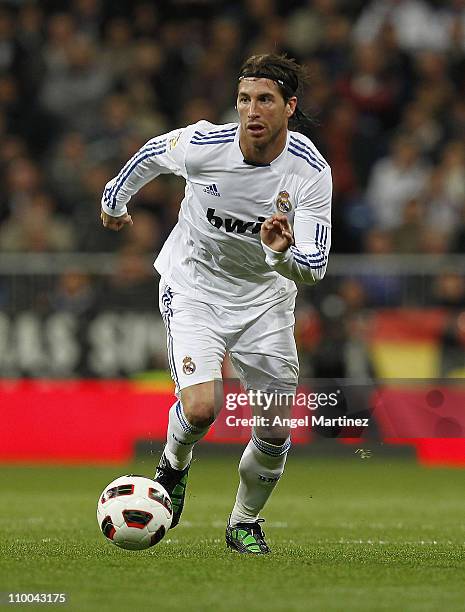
84, 83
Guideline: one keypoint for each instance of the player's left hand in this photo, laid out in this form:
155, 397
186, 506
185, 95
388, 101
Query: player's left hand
115, 223
276, 233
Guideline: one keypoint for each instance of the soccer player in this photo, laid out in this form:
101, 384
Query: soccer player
254, 219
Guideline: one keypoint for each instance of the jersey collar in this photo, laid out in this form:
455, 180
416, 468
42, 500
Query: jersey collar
239, 158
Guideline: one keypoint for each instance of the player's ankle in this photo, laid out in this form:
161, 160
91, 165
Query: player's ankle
177, 462
239, 516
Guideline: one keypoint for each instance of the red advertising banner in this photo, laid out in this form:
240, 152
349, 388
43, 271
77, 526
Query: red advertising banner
100, 421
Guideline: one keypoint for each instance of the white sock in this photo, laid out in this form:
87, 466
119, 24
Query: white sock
260, 468
181, 437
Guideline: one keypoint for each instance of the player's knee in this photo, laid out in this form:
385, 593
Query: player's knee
200, 412
199, 403
273, 435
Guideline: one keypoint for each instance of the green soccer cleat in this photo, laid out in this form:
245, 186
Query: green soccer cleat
247, 538
175, 483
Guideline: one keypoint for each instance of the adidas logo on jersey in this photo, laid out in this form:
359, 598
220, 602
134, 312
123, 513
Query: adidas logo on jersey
212, 190
234, 225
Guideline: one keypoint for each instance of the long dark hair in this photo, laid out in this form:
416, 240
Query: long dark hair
290, 78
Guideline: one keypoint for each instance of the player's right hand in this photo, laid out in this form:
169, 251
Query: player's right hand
277, 233
115, 223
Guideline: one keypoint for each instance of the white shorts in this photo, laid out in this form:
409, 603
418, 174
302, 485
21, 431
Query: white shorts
260, 341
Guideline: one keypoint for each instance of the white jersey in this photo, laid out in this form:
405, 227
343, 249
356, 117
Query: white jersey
214, 252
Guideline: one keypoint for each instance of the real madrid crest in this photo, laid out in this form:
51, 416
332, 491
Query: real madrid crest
188, 366
283, 204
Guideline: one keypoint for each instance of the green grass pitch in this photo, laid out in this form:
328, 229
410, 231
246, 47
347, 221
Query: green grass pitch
352, 534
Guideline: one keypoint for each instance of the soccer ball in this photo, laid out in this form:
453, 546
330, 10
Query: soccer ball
134, 512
